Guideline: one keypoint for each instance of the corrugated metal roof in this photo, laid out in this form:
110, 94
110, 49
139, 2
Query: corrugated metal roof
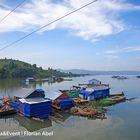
25, 92
53, 94
97, 88
92, 80
36, 94
33, 100
101, 87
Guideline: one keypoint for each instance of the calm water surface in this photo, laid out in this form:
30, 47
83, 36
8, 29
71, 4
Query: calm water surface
122, 120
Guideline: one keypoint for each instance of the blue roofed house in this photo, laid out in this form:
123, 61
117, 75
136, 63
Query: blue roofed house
33, 104
94, 93
94, 82
60, 100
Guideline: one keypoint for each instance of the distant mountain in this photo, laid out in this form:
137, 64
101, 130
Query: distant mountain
17, 69
93, 72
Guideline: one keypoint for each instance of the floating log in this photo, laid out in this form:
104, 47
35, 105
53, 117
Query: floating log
37, 119
79, 100
87, 112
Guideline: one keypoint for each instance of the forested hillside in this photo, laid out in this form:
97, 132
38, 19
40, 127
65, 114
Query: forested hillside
17, 69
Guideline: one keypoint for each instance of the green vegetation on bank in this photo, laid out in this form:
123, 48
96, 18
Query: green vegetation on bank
17, 69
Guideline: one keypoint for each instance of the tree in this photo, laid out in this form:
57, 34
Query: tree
34, 65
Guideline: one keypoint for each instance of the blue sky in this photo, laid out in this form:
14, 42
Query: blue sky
103, 36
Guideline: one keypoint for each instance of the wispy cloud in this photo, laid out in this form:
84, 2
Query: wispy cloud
115, 53
123, 50
111, 57
120, 5
99, 19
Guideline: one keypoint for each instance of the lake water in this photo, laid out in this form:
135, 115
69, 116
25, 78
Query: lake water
122, 120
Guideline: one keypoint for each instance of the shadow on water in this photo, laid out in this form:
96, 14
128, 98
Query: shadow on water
26, 123
32, 125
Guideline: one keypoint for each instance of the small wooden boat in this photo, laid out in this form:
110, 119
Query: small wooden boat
120, 77
115, 76
117, 94
8, 112
117, 98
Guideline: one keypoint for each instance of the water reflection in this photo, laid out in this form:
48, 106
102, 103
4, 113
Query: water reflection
9, 86
32, 125
122, 121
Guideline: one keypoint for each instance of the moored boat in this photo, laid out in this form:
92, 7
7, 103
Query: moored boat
120, 77
7, 110
117, 98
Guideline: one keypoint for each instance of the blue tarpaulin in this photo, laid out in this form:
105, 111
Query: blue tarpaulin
33, 104
35, 109
97, 93
14, 104
66, 103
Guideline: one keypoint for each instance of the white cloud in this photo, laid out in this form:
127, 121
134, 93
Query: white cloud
114, 54
123, 50
120, 5
98, 19
111, 57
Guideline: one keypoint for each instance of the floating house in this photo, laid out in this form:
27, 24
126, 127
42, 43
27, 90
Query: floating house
60, 100
120, 77
33, 104
94, 93
94, 82
29, 79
